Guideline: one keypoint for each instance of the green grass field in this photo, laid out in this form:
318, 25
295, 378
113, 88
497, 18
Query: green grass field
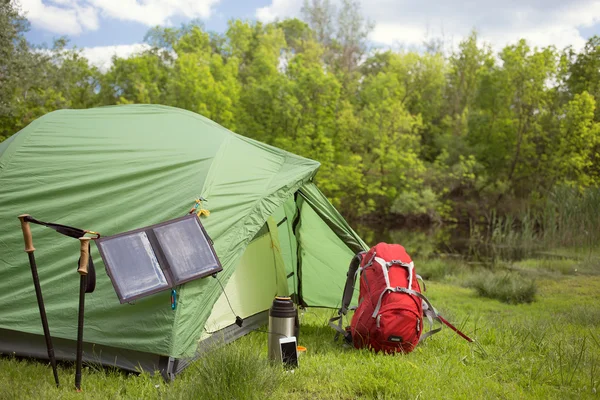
548, 348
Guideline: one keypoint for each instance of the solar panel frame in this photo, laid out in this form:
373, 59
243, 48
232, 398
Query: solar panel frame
158, 252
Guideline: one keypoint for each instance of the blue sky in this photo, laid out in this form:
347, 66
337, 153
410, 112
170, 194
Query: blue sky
106, 27
113, 31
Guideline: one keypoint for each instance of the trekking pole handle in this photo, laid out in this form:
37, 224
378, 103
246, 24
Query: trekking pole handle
84, 255
27, 233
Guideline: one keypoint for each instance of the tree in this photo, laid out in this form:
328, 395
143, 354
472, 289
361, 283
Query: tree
342, 32
139, 79
265, 98
390, 137
18, 67
352, 35
320, 14
506, 129
577, 147
202, 81
584, 70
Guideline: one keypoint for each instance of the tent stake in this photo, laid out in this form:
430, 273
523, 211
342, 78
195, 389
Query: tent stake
29, 249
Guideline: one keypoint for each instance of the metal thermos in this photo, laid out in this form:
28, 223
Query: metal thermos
283, 322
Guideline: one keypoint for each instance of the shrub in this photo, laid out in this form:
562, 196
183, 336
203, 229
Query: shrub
416, 203
437, 269
508, 287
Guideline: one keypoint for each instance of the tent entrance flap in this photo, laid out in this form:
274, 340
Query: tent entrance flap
323, 257
285, 217
258, 278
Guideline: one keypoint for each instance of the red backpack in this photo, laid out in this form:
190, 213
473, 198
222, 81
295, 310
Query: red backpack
391, 307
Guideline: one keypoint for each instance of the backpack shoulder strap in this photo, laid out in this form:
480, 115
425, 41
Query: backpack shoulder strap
353, 270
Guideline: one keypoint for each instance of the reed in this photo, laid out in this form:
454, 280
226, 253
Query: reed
568, 219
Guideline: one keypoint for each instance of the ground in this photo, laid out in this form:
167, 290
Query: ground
547, 349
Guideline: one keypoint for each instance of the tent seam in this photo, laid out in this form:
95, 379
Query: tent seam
182, 297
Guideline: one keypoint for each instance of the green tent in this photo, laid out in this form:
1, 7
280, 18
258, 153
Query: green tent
114, 169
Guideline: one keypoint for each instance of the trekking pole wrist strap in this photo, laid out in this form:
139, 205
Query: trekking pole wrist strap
75, 233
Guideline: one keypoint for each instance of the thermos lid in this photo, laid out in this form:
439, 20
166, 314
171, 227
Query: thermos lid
282, 307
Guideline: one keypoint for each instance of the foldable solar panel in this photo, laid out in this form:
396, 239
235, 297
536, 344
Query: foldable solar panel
158, 257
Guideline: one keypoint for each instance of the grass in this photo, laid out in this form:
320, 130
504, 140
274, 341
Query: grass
548, 349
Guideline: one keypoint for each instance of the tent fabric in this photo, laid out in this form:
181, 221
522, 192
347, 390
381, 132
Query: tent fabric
114, 169
325, 210
4, 145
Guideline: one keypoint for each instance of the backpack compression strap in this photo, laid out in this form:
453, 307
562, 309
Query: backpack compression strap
74, 233
353, 271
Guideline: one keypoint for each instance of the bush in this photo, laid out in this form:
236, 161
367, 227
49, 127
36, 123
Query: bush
508, 287
413, 203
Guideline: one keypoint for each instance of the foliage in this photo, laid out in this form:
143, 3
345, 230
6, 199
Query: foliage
444, 137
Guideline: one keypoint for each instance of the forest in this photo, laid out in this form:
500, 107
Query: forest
435, 134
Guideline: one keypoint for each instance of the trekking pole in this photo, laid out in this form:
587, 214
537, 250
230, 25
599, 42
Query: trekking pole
29, 249
83, 271
449, 325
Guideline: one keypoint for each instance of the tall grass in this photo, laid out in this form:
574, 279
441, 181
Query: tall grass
568, 218
571, 218
233, 371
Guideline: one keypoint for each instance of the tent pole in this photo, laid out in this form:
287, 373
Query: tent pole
29, 249
82, 270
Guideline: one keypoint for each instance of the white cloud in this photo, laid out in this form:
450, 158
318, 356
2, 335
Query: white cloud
265, 14
278, 9
73, 17
101, 56
64, 16
389, 33
154, 12
409, 22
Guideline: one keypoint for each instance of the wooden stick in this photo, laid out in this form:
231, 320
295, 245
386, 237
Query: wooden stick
26, 233
38, 293
84, 255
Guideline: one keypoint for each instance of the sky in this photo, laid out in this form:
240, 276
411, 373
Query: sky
106, 27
